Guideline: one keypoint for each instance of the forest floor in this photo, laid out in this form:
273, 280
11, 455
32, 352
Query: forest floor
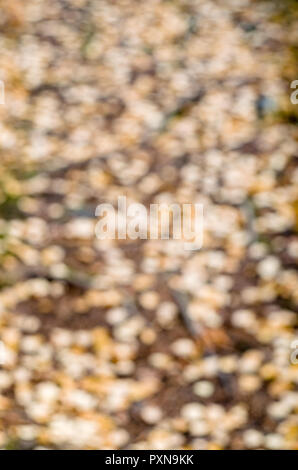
129, 344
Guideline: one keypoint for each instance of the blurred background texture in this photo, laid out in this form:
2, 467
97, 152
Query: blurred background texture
123, 344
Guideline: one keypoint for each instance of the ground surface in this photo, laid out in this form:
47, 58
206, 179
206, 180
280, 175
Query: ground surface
128, 344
